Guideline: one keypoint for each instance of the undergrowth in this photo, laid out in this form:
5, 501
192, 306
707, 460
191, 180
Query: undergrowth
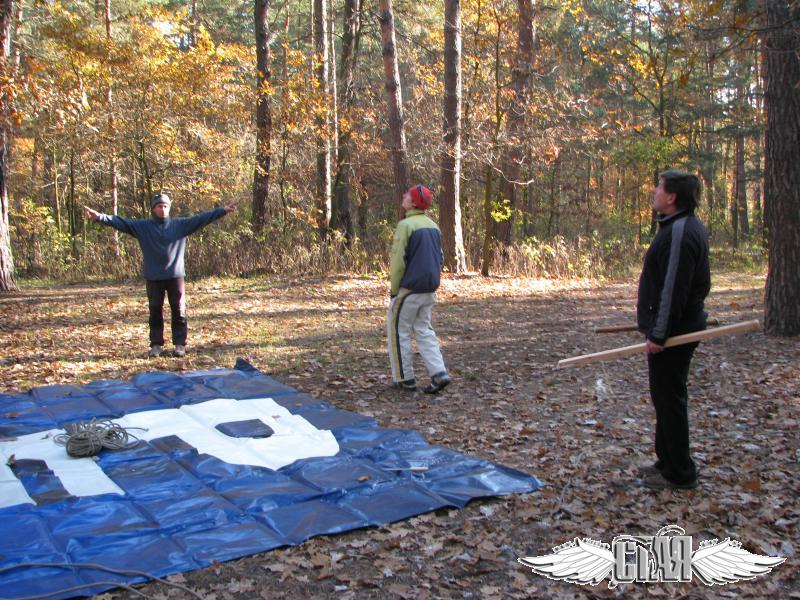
240, 253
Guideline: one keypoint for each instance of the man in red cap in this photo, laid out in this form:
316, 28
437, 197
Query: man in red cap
415, 266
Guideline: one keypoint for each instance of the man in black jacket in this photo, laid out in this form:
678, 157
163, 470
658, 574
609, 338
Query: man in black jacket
673, 285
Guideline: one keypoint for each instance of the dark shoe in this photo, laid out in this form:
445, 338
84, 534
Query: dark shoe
409, 385
155, 351
647, 470
179, 352
659, 482
438, 383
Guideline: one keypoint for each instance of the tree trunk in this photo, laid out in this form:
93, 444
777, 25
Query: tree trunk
394, 100
555, 174
744, 216
193, 22
7, 282
455, 258
283, 135
758, 211
72, 206
112, 153
323, 194
532, 197
707, 170
333, 82
14, 52
639, 222
490, 224
342, 216
489, 212
260, 214
361, 212
50, 168
515, 145
147, 178
16, 49
781, 40
707, 162
653, 213
740, 189
35, 152
758, 155
587, 227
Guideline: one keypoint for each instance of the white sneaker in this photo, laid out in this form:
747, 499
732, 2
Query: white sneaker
155, 351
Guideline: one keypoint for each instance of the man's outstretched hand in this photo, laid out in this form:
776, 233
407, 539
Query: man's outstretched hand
230, 208
92, 215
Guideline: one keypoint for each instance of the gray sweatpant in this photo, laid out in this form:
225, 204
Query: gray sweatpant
410, 312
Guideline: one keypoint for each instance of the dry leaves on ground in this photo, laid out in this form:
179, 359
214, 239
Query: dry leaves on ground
582, 431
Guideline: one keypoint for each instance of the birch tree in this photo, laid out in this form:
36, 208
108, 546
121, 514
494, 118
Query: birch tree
7, 282
322, 75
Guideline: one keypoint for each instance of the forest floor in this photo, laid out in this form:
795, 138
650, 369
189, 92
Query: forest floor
582, 431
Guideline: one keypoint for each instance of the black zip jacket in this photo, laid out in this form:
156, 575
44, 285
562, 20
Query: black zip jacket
675, 279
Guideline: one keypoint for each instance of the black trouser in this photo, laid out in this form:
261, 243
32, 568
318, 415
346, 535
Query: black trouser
668, 372
175, 289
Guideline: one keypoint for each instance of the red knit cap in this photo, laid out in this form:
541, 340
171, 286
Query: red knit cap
421, 197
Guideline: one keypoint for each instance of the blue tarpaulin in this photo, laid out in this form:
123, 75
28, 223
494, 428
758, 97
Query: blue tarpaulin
228, 462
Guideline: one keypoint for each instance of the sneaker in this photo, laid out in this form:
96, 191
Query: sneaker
409, 385
438, 383
659, 482
155, 351
647, 470
179, 352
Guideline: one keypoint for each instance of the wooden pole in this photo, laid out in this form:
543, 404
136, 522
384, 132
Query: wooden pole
619, 328
687, 338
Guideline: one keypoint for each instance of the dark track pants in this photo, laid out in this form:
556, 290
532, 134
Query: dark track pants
175, 290
668, 372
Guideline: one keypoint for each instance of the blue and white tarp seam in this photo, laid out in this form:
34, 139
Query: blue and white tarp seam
228, 463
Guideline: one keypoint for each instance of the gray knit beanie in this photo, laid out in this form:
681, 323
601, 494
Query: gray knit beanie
160, 198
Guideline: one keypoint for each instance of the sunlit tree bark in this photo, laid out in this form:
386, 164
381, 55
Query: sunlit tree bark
490, 216
7, 281
323, 197
450, 204
394, 99
112, 152
342, 216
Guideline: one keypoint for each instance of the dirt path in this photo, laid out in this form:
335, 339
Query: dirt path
582, 431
